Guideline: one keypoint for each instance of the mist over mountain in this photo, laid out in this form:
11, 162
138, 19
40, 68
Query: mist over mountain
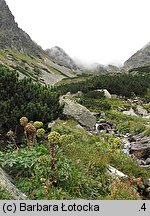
19, 52
62, 58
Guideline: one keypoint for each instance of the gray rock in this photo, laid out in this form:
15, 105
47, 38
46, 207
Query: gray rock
147, 161
78, 112
141, 146
141, 111
11, 36
147, 182
121, 109
139, 59
147, 190
62, 58
115, 173
130, 112
106, 92
6, 184
113, 69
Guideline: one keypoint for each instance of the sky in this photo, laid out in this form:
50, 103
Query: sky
91, 31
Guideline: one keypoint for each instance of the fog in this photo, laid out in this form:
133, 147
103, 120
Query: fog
102, 31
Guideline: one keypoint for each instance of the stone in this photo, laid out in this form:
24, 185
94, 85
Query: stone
130, 112
106, 93
6, 184
147, 117
147, 161
147, 182
121, 109
147, 190
141, 148
78, 112
141, 111
115, 173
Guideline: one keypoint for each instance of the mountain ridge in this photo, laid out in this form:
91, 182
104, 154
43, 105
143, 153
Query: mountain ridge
11, 36
139, 59
62, 58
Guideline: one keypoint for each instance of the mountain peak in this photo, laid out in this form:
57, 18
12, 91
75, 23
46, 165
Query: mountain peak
62, 58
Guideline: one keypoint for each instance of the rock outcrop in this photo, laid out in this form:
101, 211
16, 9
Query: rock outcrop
130, 112
140, 146
5, 184
78, 112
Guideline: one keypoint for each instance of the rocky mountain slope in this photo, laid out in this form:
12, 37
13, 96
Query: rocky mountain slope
139, 59
19, 52
62, 58
11, 36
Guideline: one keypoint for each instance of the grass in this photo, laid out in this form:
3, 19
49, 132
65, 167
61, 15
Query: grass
126, 123
4, 194
73, 79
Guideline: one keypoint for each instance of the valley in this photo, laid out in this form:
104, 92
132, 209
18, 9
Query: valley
67, 131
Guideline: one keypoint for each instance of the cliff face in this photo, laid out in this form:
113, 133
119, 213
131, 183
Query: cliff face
139, 59
11, 36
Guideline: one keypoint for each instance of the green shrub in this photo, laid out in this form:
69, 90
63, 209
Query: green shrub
24, 98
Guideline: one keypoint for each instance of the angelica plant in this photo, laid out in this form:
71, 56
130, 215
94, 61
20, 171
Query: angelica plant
30, 132
11, 136
53, 139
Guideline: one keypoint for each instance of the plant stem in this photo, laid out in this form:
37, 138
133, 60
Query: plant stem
53, 156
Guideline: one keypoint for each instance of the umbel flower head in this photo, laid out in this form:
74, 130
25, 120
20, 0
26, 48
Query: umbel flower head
66, 139
23, 121
30, 128
38, 124
40, 133
10, 133
53, 137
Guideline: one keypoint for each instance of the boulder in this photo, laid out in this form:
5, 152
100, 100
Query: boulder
5, 184
141, 146
106, 93
78, 112
130, 112
147, 188
115, 173
147, 161
141, 111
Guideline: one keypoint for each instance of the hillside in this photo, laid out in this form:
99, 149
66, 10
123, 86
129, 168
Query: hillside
62, 58
19, 52
139, 59
83, 136
90, 146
